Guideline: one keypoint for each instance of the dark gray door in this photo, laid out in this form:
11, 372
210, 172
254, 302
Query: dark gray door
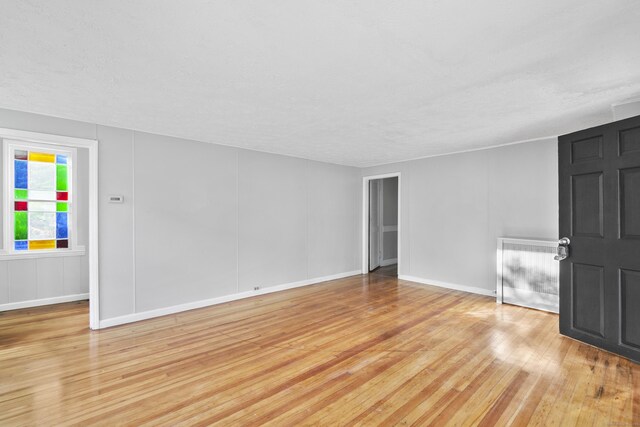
599, 171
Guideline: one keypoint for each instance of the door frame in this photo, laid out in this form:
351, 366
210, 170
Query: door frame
379, 236
92, 146
365, 218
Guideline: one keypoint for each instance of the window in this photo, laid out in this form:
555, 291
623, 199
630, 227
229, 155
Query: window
39, 200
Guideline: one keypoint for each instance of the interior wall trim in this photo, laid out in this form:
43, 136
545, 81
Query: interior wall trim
42, 301
470, 150
454, 286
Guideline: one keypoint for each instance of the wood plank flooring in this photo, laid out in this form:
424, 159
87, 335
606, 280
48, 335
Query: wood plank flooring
366, 350
389, 270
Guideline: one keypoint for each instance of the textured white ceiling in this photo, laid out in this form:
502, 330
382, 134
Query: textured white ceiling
357, 82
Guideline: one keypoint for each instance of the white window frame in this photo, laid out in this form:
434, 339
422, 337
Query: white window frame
9, 148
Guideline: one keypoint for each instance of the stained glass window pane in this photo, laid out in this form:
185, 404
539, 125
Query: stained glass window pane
42, 195
41, 200
42, 206
42, 225
42, 244
42, 176
61, 173
20, 225
21, 194
41, 157
21, 173
61, 225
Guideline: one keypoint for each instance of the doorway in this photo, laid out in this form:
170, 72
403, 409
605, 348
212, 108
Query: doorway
599, 170
381, 224
68, 226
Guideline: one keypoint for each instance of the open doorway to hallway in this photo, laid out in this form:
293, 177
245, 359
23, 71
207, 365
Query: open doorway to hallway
383, 226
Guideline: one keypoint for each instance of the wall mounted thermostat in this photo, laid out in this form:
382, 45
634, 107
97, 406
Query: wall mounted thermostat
116, 199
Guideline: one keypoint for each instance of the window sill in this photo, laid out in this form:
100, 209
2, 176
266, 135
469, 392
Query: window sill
8, 256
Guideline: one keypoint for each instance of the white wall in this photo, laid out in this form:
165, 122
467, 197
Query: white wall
454, 207
201, 221
115, 222
186, 221
626, 110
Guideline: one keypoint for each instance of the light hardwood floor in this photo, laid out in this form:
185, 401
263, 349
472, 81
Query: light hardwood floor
366, 350
389, 270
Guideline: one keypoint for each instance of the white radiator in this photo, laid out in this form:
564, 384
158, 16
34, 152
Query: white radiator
527, 273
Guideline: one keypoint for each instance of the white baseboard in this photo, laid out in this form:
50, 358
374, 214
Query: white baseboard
135, 317
43, 301
386, 262
440, 284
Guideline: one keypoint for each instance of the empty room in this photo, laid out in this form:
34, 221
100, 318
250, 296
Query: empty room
320, 213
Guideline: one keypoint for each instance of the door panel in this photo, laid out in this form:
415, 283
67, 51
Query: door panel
629, 203
586, 194
586, 149
630, 301
630, 141
599, 191
587, 286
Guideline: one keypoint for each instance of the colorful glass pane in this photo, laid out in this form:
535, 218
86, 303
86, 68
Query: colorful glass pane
20, 174
21, 155
62, 207
61, 173
21, 245
21, 194
42, 244
62, 195
60, 159
20, 229
20, 206
60, 244
61, 225
41, 157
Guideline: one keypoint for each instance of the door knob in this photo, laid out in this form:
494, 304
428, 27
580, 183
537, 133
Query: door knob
562, 252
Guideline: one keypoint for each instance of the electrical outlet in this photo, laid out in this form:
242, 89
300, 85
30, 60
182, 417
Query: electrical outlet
256, 288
